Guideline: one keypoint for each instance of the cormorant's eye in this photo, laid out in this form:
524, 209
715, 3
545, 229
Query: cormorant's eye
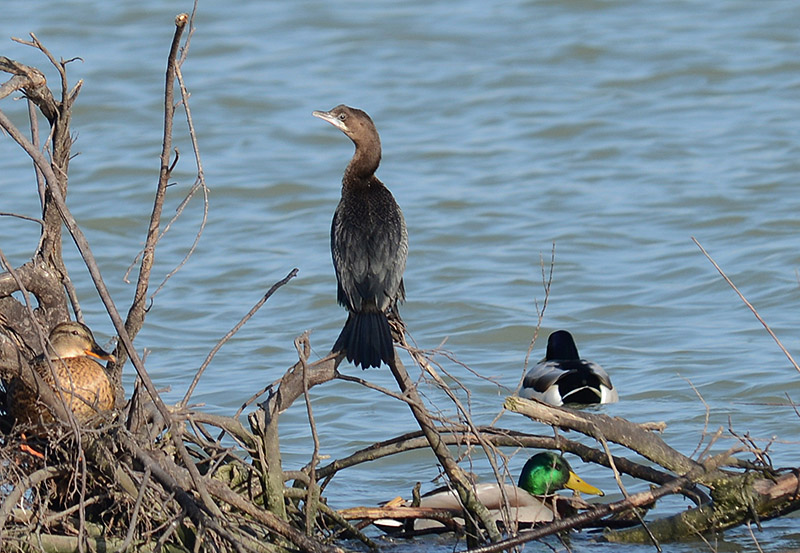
342, 116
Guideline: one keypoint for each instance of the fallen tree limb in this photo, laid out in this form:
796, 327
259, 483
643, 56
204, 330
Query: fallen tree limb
461, 436
613, 429
735, 497
735, 500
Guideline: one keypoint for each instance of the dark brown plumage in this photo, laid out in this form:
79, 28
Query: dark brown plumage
369, 245
83, 382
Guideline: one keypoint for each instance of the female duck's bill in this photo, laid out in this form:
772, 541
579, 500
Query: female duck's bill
562, 377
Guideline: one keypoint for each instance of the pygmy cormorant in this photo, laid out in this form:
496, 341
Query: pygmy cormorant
369, 245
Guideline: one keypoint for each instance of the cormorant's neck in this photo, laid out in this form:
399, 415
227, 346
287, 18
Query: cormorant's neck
365, 162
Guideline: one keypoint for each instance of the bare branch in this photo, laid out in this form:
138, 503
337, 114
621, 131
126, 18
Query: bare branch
749, 305
136, 313
231, 332
613, 429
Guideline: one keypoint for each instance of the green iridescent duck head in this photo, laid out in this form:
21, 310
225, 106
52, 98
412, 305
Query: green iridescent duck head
547, 472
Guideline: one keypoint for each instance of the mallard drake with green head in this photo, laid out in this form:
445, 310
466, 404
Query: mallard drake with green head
86, 388
563, 377
543, 475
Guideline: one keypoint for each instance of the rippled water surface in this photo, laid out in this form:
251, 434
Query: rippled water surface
614, 130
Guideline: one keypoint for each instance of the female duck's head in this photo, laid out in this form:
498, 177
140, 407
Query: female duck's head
73, 339
546, 473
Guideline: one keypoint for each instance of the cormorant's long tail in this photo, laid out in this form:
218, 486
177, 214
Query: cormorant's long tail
366, 339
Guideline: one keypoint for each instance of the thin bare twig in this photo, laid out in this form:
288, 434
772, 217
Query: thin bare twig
749, 305
24, 217
132, 524
231, 332
371, 386
455, 473
312, 496
200, 183
136, 313
547, 281
708, 414
624, 491
425, 366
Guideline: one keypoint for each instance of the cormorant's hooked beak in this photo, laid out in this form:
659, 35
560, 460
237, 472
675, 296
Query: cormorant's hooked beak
332, 119
576, 483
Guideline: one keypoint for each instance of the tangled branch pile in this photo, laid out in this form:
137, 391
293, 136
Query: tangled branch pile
152, 477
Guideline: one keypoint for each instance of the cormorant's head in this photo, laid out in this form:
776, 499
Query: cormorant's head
353, 122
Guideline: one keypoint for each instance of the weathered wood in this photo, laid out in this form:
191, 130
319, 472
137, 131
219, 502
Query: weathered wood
736, 499
613, 429
399, 513
458, 478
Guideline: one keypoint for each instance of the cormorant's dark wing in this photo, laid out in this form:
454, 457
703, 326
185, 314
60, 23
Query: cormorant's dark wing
388, 261
369, 252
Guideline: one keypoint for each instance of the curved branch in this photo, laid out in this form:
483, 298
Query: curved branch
462, 436
23, 486
617, 430
234, 330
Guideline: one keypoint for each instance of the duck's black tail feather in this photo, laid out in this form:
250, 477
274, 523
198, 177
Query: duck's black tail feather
366, 339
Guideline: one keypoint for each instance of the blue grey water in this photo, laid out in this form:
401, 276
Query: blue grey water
612, 130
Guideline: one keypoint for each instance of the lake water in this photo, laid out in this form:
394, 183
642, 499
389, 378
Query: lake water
614, 129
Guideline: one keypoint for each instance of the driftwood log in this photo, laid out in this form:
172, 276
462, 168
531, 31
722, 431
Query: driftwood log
159, 477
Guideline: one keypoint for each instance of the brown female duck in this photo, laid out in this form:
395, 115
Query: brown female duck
81, 381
